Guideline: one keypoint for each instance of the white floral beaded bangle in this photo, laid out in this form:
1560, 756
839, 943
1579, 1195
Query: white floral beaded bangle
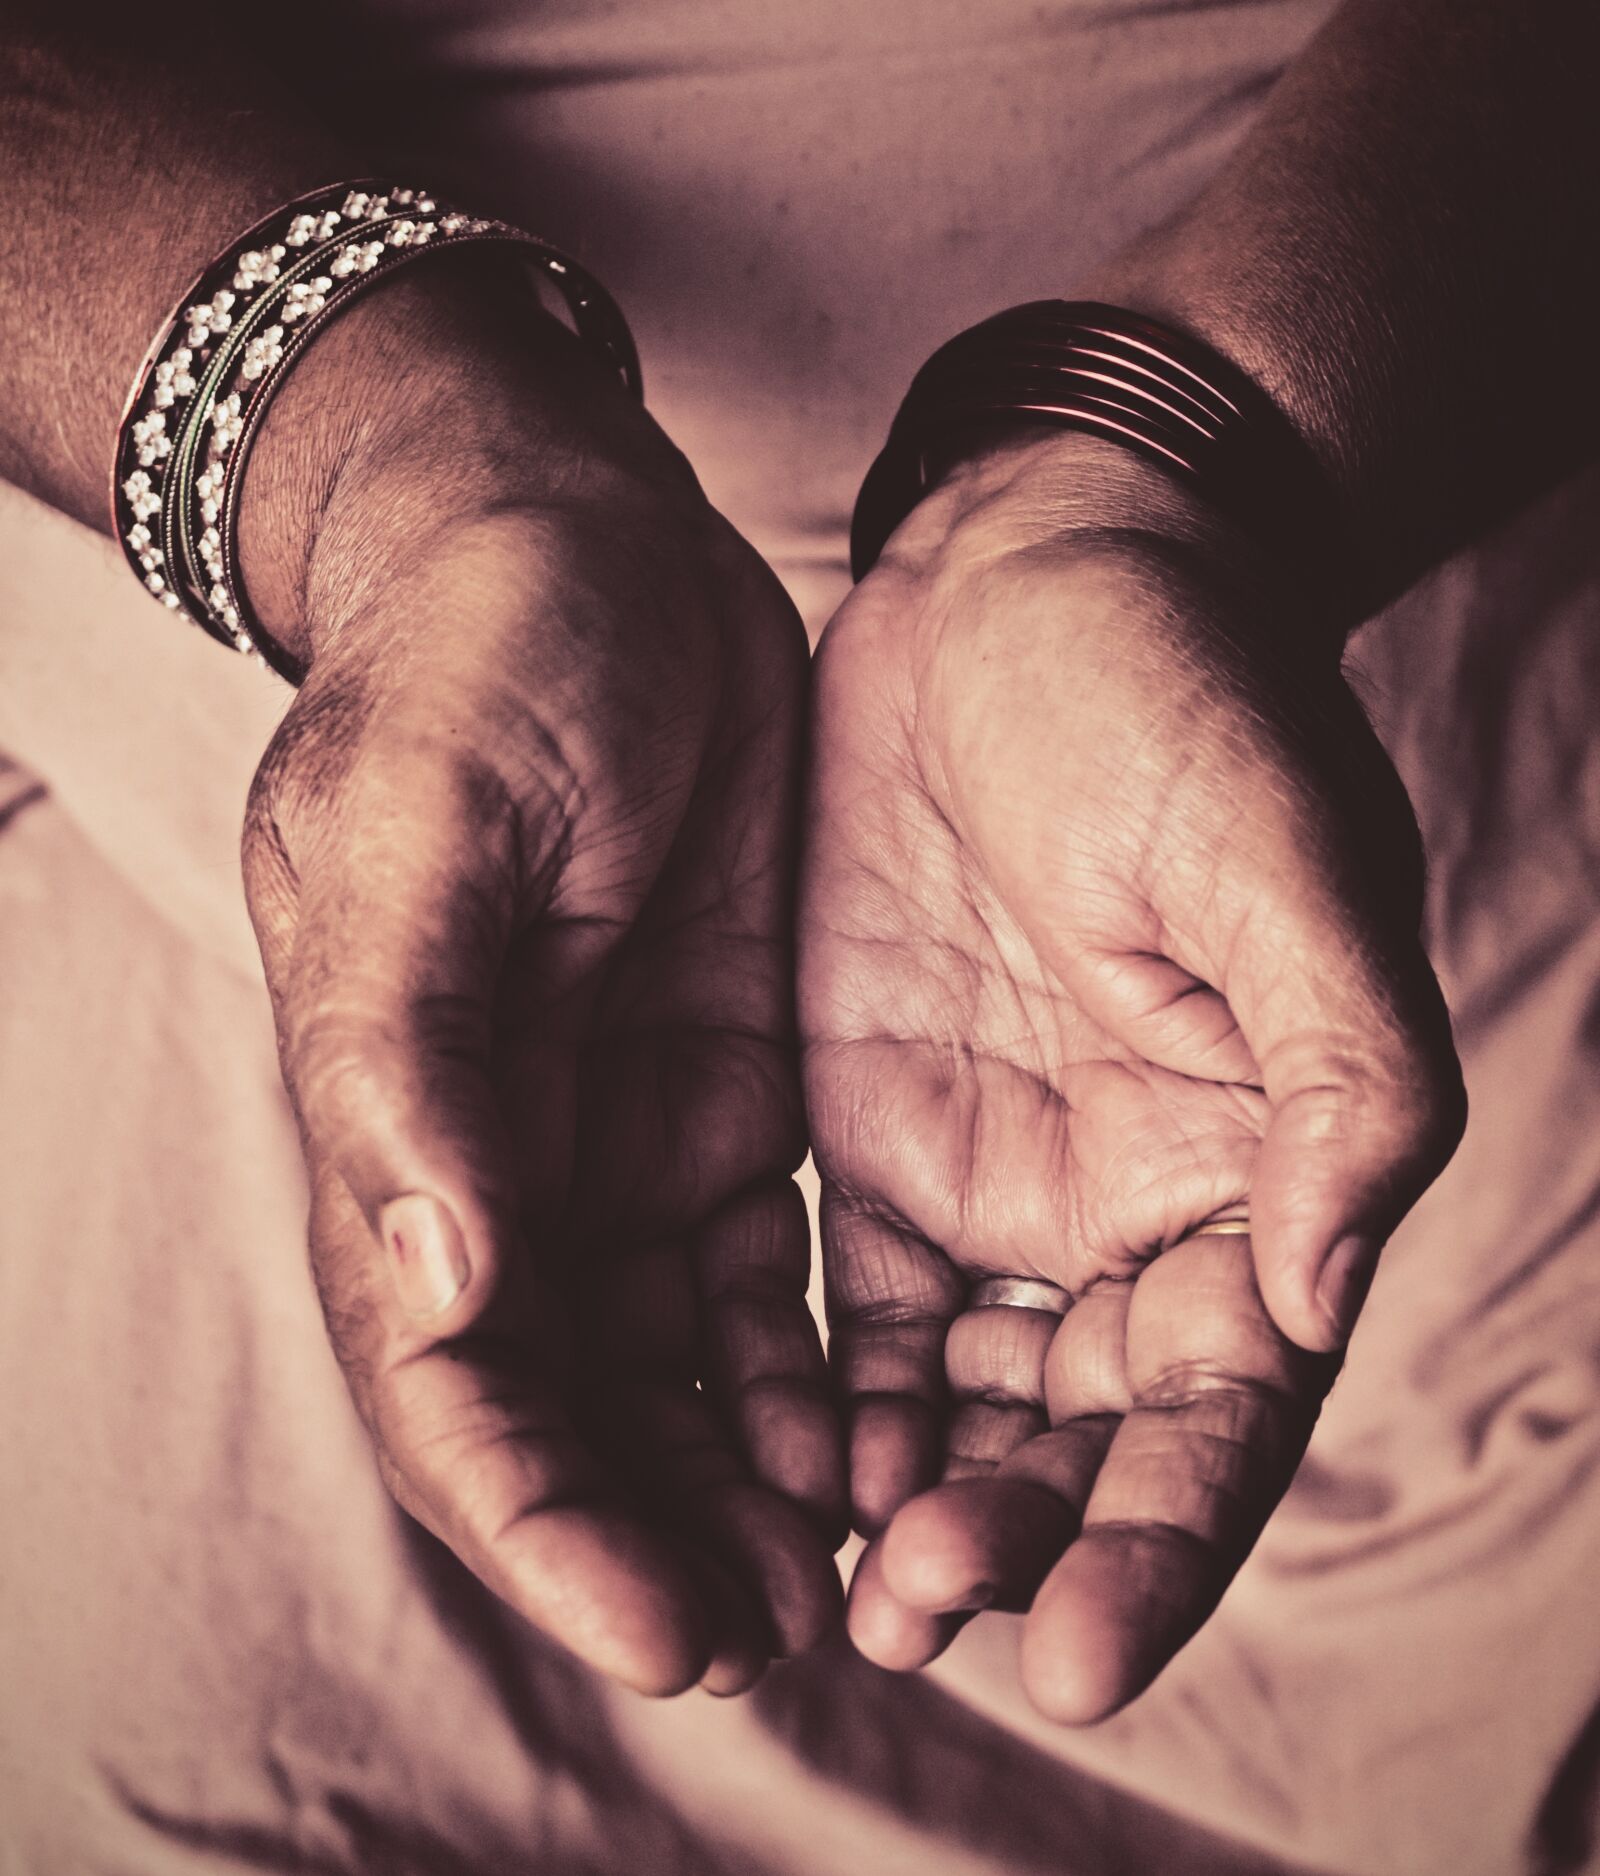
206, 383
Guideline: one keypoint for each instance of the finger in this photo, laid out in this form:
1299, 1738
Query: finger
1086, 1365
997, 1352
765, 1360
1223, 1405
405, 905
983, 1433
1367, 1106
667, 1439
547, 1534
885, 1630
994, 1365
742, 1650
474, 1440
641, 1344
891, 1297
988, 1543
771, 1547
1335, 997
1014, 1498
1351, 1046
1350, 1043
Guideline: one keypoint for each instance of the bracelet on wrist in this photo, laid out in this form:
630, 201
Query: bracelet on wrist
206, 382
1116, 374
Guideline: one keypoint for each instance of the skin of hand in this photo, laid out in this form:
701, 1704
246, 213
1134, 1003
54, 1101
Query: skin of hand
1109, 928
521, 864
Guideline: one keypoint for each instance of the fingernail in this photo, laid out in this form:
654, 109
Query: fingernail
426, 1255
1342, 1288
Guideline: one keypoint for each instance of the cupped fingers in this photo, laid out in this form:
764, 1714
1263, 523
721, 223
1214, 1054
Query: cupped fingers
474, 1439
666, 1439
972, 1544
891, 1298
986, 1537
987, 1543
765, 1362
888, 1632
1221, 1407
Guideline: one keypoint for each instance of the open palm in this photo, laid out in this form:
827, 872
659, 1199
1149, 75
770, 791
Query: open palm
1108, 930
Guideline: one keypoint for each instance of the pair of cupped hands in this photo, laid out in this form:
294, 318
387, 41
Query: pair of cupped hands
1063, 903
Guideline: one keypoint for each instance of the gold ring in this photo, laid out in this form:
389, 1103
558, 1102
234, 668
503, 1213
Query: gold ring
1220, 1228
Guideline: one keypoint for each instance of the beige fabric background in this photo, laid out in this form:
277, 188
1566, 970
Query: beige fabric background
220, 1647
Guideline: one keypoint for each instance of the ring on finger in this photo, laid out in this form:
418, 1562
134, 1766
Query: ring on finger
1037, 1293
1019, 1293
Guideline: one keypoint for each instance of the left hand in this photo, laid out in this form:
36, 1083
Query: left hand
520, 860
1108, 929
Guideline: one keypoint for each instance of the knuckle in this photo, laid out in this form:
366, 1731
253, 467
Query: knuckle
339, 1065
1419, 1103
356, 1056
1402, 1089
1202, 1387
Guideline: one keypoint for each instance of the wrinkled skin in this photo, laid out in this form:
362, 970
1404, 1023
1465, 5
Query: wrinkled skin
521, 864
1108, 929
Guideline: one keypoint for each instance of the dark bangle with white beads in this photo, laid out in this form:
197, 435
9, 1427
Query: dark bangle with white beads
205, 384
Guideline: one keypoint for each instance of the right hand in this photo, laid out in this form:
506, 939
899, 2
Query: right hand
520, 863
1109, 930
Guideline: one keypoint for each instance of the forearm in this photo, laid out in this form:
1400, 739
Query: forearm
1400, 254
126, 170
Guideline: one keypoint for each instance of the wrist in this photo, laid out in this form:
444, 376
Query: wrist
1150, 388
1027, 481
1033, 486
442, 395
1282, 335
1030, 502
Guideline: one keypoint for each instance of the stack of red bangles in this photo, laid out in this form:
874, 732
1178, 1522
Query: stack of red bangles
1156, 391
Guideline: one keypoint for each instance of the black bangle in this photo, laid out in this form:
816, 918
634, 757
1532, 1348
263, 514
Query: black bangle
207, 381
1156, 391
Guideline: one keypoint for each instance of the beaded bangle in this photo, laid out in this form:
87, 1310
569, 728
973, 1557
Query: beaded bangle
1156, 391
205, 384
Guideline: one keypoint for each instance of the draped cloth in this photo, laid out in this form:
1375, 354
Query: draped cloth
221, 1647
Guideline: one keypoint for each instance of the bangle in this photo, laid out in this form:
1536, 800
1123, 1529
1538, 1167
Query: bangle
1156, 391
205, 384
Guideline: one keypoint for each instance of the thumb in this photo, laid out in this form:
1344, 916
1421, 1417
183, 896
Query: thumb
1365, 1098
385, 1004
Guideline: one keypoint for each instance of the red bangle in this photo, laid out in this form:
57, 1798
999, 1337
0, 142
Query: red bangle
1152, 389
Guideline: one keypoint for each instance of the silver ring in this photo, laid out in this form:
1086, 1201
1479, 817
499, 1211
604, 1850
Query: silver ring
1019, 1293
